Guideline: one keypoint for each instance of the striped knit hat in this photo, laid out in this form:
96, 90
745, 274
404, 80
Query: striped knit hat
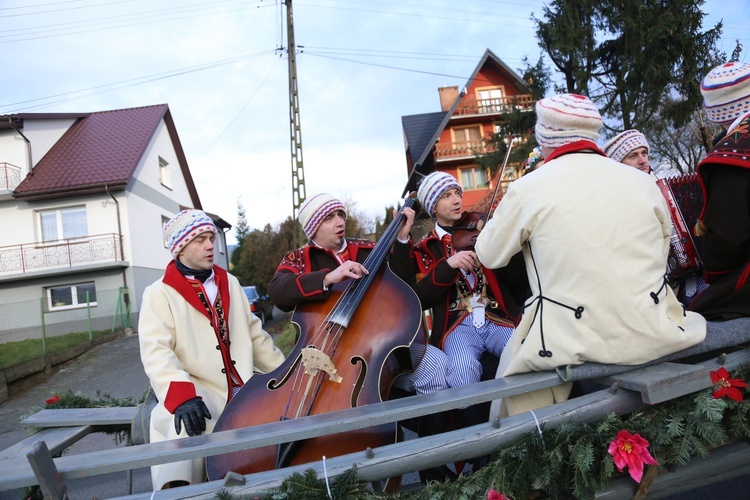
726, 92
433, 187
315, 209
184, 227
566, 118
623, 143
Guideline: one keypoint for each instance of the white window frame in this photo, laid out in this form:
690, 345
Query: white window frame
164, 220
165, 174
74, 297
59, 227
473, 169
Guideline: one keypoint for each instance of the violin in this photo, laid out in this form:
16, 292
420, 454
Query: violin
467, 228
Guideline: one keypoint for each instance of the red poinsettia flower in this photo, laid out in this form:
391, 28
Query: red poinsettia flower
631, 451
53, 399
725, 386
495, 495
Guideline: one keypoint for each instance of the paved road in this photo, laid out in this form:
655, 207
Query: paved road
112, 368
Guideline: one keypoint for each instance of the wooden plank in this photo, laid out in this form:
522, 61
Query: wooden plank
133, 457
106, 461
664, 381
71, 417
57, 440
422, 453
45, 471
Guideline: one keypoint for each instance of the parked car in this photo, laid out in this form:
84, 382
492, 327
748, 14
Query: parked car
261, 306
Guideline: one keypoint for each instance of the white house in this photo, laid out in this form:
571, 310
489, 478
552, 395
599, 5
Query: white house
83, 198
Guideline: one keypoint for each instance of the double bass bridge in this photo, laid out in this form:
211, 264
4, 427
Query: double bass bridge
314, 360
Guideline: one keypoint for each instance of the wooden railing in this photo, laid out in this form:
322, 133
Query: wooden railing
10, 176
463, 149
630, 389
59, 253
472, 106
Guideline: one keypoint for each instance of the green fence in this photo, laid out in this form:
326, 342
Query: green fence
32, 328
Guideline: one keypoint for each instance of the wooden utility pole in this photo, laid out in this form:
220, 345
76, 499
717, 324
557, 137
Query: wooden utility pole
298, 172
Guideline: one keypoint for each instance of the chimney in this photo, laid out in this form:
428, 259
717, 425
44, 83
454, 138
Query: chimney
448, 96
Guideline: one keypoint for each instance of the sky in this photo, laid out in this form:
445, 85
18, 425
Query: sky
219, 65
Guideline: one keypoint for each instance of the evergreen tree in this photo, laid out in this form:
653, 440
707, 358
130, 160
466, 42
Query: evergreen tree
241, 232
636, 60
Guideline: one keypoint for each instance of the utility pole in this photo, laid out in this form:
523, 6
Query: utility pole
298, 172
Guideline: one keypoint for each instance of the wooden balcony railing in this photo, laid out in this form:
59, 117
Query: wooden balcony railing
462, 149
10, 176
57, 254
472, 106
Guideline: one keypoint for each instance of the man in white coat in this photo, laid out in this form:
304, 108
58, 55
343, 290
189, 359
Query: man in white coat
186, 322
594, 235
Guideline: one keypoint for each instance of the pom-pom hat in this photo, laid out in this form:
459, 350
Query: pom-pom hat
566, 118
185, 227
315, 209
726, 92
623, 143
433, 187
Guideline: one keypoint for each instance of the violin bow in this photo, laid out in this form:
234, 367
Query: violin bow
500, 175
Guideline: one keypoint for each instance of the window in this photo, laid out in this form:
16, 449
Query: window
490, 100
467, 134
164, 221
71, 296
165, 176
474, 178
63, 223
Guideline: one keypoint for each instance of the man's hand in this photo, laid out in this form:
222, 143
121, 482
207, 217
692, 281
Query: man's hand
464, 260
193, 414
403, 233
348, 269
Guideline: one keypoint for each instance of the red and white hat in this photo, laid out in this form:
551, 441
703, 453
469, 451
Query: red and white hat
185, 227
315, 209
566, 118
623, 143
726, 92
433, 187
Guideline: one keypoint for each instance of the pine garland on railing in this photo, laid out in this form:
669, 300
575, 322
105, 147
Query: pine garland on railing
576, 460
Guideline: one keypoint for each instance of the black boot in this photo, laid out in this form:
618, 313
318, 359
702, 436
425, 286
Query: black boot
429, 425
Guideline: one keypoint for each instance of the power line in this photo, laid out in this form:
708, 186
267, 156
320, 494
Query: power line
99, 89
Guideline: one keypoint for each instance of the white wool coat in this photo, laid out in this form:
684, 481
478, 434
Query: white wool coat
594, 235
179, 345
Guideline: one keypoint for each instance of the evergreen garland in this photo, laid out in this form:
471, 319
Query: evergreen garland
571, 460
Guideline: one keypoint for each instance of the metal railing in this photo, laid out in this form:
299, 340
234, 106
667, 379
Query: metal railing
59, 253
10, 176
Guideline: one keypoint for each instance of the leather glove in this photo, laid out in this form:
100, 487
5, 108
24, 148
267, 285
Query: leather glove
193, 414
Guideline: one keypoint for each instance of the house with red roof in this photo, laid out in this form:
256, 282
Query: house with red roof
451, 139
83, 199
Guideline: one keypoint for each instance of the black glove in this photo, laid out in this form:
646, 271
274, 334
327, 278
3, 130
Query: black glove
193, 414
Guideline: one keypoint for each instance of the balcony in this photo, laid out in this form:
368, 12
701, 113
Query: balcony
10, 176
471, 106
462, 149
59, 254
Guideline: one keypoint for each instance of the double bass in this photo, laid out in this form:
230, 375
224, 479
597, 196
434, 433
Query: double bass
349, 350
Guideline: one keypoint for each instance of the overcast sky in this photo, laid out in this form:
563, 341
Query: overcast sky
363, 64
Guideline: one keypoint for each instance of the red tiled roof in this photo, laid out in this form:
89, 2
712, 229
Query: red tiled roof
101, 148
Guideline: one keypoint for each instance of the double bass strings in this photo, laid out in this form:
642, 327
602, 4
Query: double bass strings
307, 381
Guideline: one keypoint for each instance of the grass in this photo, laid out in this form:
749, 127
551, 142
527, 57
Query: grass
284, 334
16, 353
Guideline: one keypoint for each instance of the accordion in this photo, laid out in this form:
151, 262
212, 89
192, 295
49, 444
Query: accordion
684, 259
